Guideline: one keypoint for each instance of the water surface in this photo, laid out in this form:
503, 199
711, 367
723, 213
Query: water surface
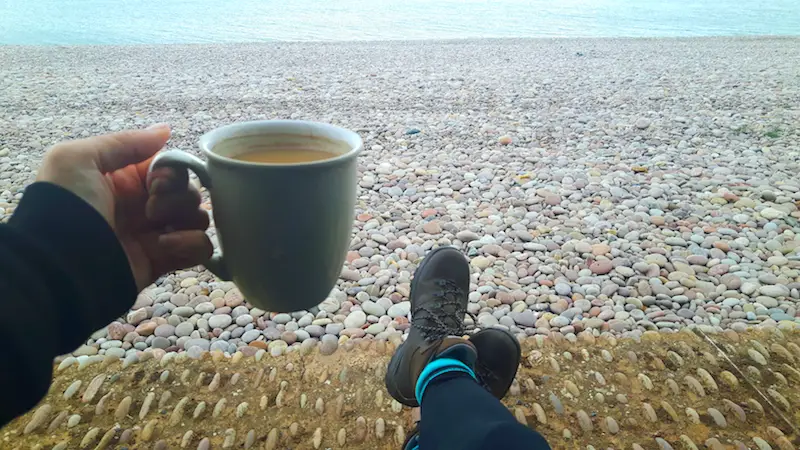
218, 21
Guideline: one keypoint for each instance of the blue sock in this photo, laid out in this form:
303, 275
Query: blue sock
438, 367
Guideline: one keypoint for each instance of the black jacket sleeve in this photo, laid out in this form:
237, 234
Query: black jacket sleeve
63, 275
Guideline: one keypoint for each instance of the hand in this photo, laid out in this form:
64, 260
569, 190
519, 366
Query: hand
158, 220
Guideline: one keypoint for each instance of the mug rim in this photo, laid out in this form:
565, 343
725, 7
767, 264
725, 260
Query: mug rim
255, 127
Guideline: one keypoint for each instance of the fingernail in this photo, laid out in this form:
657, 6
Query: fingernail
160, 127
154, 185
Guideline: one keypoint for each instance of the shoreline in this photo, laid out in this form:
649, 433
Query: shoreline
469, 40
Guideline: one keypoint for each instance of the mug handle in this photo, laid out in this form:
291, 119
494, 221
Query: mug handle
182, 162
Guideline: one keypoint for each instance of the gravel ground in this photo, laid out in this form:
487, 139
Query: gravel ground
596, 185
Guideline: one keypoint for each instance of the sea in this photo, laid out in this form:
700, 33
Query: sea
74, 22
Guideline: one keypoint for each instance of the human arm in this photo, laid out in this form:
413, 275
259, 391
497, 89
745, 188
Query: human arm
85, 239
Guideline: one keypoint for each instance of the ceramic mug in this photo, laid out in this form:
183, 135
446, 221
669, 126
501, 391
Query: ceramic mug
283, 229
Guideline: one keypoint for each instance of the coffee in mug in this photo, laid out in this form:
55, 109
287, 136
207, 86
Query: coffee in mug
278, 149
283, 197
284, 156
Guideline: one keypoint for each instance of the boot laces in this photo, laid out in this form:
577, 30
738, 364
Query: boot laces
435, 320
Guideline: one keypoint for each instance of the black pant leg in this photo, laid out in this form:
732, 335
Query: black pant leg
458, 414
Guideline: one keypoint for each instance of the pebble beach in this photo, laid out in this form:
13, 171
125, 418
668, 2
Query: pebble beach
597, 186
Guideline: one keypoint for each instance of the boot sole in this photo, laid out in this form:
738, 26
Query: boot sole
396, 360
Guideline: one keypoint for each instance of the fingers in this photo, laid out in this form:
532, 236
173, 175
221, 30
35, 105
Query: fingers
171, 189
167, 252
114, 151
166, 179
174, 203
196, 219
168, 207
182, 249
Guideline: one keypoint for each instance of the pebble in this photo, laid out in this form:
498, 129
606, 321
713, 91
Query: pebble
584, 421
204, 308
356, 319
184, 329
251, 335
328, 344
72, 389
687, 217
774, 291
373, 308
164, 330
219, 321
525, 318
39, 418
601, 267
467, 236
401, 309
563, 289
203, 344
717, 417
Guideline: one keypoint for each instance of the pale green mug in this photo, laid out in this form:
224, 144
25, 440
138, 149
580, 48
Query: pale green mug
283, 229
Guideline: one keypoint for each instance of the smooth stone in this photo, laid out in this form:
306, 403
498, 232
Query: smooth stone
525, 318
85, 350
328, 344
243, 320
563, 289
774, 291
487, 320
205, 307
164, 330
334, 328
220, 321
250, 336
160, 342
375, 328
116, 352
767, 302
467, 236
332, 305
355, 319
204, 344
282, 318
314, 330
401, 309
601, 267
373, 308
184, 329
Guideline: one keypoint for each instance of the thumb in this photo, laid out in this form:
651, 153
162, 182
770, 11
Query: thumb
114, 151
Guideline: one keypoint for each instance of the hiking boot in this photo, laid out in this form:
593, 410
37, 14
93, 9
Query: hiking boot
438, 305
499, 354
